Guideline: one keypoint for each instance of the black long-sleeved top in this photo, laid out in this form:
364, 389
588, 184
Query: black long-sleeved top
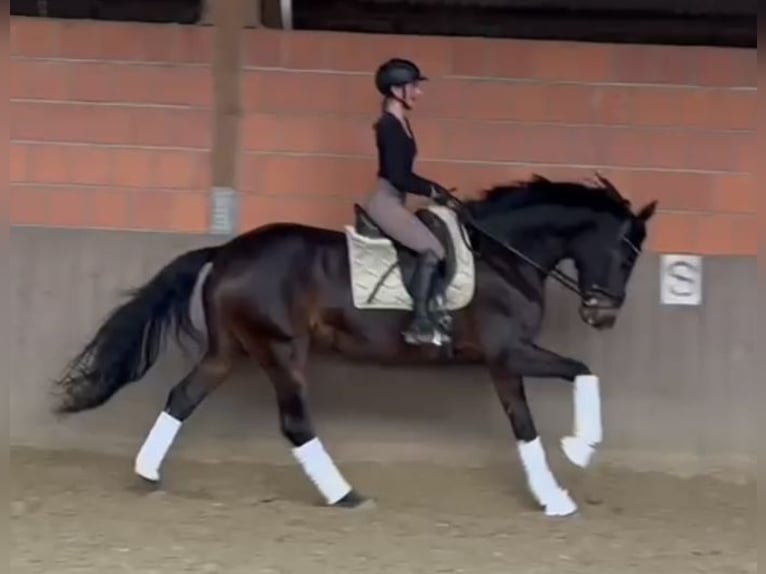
396, 155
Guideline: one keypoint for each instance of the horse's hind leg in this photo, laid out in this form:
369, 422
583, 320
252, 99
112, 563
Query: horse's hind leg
284, 363
182, 400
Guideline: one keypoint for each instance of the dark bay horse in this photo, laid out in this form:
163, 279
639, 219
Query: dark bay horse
274, 292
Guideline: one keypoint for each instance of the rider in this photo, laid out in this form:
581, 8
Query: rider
398, 80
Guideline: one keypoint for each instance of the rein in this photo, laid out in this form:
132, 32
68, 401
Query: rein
563, 278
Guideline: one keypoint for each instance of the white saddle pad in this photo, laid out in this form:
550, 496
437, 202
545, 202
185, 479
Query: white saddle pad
370, 259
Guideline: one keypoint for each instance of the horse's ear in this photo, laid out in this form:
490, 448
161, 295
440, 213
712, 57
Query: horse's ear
647, 211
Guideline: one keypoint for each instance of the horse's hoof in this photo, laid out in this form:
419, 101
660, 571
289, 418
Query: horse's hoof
355, 501
148, 480
145, 486
561, 505
577, 450
148, 476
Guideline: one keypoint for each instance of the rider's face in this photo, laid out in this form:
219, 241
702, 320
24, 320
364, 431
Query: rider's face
409, 93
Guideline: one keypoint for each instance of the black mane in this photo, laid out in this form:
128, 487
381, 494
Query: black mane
601, 196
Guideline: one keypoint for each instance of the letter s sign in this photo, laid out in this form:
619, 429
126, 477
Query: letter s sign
681, 280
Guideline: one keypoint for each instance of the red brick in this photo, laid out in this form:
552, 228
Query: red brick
257, 210
34, 37
151, 210
733, 194
730, 109
721, 151
179, 169
263, 132
141, 84
528, 102
442, 97
133, 167
89, 165
491, 58
281, 91
673, 149
18, 167
82, 39
28, 205
571, 61
194, 44
69, 207
189, 212
673, 233
655, 64
572, 104
94, 82
429, 134
506, 101
545, 60
748, 152
99, 124
303, 50
307, 176
109, 208
65, 122
119, 41
728, 235
48, 164
25, 124
360, 96
308, 134
651, 106
687, 191
189, 128
545, 144
169, 85
262, 48
682, 107
727, 66
134, 42
40, 80
365, 52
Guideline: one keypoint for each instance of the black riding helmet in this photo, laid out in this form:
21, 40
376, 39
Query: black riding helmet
397, 72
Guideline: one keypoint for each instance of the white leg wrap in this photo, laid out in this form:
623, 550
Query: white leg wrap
156, 446
588, 431
542, 483
322, 471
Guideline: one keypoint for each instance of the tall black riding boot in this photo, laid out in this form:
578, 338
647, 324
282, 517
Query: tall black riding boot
423, 330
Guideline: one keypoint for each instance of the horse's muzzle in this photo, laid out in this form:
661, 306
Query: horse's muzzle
599, 313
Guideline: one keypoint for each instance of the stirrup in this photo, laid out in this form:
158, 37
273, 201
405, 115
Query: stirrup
437, 336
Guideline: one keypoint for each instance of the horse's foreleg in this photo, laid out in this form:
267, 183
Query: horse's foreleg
542, 483
534, 361
182, 400
284, 363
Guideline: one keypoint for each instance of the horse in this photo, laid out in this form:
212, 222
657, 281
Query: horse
279, 291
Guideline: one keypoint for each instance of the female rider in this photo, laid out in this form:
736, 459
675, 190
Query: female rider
398, 81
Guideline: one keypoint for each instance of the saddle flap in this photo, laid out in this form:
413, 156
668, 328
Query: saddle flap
380, 267
365, 225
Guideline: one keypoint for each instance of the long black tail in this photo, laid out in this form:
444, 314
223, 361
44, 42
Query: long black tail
129, 341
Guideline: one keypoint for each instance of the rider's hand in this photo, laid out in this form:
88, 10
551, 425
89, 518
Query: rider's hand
442, 196
445, 197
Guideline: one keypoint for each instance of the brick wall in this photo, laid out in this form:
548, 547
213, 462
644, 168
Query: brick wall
111, 125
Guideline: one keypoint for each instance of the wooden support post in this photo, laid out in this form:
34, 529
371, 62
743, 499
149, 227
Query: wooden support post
228, 17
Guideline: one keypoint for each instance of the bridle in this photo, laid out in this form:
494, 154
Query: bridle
565, 279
